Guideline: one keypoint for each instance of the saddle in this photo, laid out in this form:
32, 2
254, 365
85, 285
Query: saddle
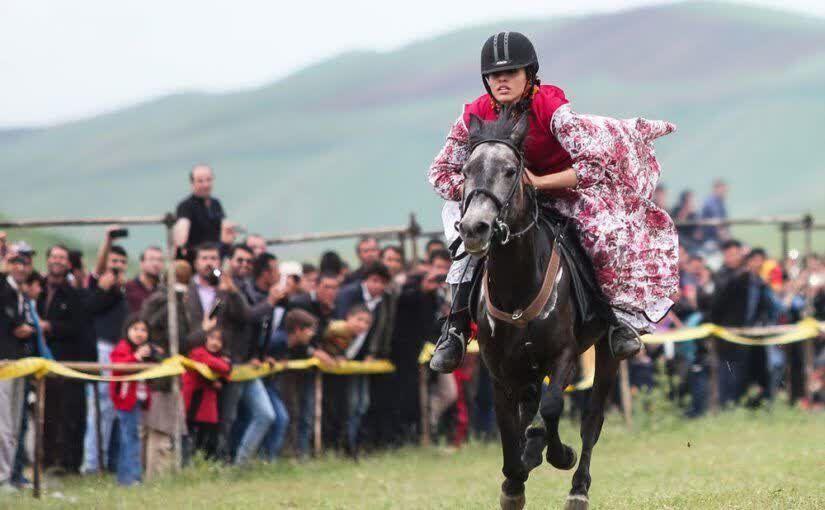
590, 301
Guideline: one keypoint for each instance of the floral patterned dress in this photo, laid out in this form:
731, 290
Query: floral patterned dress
633, 243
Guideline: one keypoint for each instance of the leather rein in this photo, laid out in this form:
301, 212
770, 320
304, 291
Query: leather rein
501, 233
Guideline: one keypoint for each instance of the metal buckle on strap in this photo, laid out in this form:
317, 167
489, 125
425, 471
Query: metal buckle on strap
503, 231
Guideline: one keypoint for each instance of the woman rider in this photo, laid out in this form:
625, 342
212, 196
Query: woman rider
599, 172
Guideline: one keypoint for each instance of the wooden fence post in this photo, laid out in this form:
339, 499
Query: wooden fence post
624, 387
424, 405
101, 465
38, 435
174, 338
713, 376
319, 412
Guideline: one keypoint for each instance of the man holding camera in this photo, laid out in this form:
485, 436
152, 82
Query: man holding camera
109, 308
213, 299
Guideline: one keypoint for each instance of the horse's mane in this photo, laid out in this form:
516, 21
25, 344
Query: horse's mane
500, 129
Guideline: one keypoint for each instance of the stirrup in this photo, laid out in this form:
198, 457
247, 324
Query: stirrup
619, 325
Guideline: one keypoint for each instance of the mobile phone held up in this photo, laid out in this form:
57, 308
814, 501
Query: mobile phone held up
216, 307
119, 233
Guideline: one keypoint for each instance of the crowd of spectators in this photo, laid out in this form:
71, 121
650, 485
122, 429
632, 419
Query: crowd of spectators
238, 305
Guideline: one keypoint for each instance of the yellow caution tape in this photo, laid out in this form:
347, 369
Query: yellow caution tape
177, 365
803, 330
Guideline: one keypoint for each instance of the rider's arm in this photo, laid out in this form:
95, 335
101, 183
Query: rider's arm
564, 179
445, 173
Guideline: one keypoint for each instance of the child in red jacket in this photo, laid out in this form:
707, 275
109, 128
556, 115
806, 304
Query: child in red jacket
128, 399
201, 395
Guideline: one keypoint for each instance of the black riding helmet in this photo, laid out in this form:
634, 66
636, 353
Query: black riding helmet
505, 51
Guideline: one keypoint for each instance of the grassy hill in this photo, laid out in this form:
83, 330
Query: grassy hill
346, 143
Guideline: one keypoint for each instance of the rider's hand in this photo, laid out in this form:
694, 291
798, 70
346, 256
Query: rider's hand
529, 178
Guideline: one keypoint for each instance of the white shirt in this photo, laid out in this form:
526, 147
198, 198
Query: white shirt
371, 302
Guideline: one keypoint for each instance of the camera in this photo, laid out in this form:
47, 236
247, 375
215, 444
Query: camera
214, 277
118, 233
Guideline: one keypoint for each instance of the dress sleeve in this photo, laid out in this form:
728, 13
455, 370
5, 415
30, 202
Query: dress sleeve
576, 134
445, 173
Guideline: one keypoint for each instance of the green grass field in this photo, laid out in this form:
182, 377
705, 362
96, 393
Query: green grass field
739, 460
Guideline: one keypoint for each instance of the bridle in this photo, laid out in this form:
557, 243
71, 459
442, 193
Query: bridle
519, 318
501, 230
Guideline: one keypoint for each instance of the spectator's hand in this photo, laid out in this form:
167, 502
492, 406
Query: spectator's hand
110, 229
23, 331
209, 323
226, 284
143, 351
276, 294
324, 358
228, 234
46, 326
159, 350
107, 280
217, 385
255, 362
432, 281
369, 359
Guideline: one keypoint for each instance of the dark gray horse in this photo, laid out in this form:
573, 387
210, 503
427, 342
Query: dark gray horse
529, 324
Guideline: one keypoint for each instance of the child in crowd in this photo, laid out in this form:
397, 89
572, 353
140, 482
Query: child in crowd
201, 395
345, 402
128, 399
343, 339
296, 388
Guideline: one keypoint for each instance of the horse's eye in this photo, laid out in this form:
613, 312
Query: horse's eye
509, 172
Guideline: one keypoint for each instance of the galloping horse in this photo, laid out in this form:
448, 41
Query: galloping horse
529, 323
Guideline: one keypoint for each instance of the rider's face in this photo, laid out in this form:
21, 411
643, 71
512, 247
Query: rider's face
507, 86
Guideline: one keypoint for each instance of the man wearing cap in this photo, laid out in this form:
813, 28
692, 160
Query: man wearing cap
16, 336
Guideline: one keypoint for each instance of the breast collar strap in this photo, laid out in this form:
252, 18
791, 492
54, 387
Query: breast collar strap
521, 318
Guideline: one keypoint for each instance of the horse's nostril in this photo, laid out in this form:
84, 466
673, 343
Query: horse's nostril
474, 229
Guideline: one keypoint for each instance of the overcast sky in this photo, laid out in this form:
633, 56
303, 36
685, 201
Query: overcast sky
65, 60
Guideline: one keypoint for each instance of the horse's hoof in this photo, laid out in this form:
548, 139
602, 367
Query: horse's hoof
512, 502
531, 457
568, 461
577, 502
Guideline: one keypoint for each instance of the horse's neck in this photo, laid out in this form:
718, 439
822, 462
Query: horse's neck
516, 270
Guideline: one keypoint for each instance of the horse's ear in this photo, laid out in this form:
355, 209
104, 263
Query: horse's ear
520, 130
475, 123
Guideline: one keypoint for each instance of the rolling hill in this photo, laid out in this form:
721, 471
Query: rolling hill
346, 143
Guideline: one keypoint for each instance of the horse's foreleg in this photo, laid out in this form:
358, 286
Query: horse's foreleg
606, 368
515, 472
559, 455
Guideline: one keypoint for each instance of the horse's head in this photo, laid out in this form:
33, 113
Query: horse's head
493, 195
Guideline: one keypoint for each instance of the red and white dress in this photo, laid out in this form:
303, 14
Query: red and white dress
632, 242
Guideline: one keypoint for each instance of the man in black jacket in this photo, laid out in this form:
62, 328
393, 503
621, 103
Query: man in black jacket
744, 300
63, 314
16, 337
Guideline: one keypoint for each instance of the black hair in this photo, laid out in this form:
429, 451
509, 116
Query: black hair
330, 276
118, 250
376, 269
131, 320
59, 246
239, 246
757, 252
731, 243
440, 254
207, 246
76, 259
307, 268
148, 249
396, 249
331, 263
433, 241
363, 240
261, 264
36, 277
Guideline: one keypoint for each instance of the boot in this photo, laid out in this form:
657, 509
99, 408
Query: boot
449, 350
624, 340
